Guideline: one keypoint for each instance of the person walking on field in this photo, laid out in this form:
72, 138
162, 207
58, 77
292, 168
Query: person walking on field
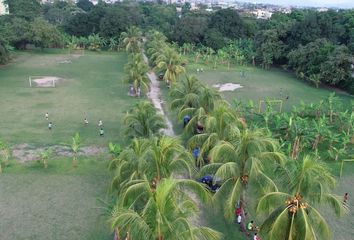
86, 122
101, 132
100, 123
47, 116
50, 125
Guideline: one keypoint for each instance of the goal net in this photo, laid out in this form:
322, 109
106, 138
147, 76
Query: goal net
272, 105
345, 161
42, 81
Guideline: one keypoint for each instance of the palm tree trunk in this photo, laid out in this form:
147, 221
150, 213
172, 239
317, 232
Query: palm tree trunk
116, 234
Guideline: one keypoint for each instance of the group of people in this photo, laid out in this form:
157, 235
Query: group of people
251, 226
86, 123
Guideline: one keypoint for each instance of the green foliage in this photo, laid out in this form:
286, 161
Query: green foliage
143, 121
45, 34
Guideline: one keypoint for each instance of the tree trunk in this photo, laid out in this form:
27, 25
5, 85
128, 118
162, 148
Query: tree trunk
75, 161
116, 234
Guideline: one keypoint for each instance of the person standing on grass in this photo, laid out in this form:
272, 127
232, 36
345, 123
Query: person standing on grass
47, 116
256, 237
50, 125
100, 123
86, 122
101, 132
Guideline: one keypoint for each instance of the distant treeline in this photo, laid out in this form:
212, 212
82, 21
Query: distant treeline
317, 46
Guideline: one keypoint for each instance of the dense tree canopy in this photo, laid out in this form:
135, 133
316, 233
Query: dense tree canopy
317, 46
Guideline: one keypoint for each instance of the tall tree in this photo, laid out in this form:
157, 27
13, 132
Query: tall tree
166, 213
143, 121
240, 161
132, 39
293, 214
172, 63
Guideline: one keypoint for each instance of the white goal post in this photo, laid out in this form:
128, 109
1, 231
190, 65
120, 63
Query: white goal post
49, 81
270, 103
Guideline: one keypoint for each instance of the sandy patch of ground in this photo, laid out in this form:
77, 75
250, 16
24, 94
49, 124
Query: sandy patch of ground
26, 152
45, 81
66, 61
227, 87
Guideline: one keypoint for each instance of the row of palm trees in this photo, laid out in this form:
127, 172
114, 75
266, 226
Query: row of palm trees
247, 159
150, 202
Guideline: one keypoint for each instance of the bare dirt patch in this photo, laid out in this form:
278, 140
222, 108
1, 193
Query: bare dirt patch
45, 81
227, 87
25, 152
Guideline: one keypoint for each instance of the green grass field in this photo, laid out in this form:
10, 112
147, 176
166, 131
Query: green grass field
259, 84
58, 203
92, 88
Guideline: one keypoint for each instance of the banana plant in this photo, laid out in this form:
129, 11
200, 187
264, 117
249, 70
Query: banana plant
45, 155
75, 147
5, 154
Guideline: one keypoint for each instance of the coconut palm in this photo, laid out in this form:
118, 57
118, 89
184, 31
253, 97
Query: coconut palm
143, 121
167, 156
293, 214
152, 159
222, 124
129, 165
132, 39
186, 94
75, 147
170, 62
207, 100
167, 211
137, 71
242, 160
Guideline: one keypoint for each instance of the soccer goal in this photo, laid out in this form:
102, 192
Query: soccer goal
42, 81
274, 104
342, 164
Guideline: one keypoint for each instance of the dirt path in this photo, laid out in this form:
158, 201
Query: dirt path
155, 97
26, 152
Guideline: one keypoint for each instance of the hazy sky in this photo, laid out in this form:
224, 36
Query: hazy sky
316, 3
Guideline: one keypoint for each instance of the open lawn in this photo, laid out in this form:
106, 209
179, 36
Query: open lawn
258, 84
92, 87
58, 203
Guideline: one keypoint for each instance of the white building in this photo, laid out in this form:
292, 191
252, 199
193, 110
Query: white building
3, 8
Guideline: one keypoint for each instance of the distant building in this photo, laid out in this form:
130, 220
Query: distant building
3, 8
262, 14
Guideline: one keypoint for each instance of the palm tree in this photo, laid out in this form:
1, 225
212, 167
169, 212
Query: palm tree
132, 39
143, 121
221, 124
241, 160
153, 159
292, 213
208, 99
171, 62
166, 156
75, 147
167, 211
186, 94
129, 165
137, 71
